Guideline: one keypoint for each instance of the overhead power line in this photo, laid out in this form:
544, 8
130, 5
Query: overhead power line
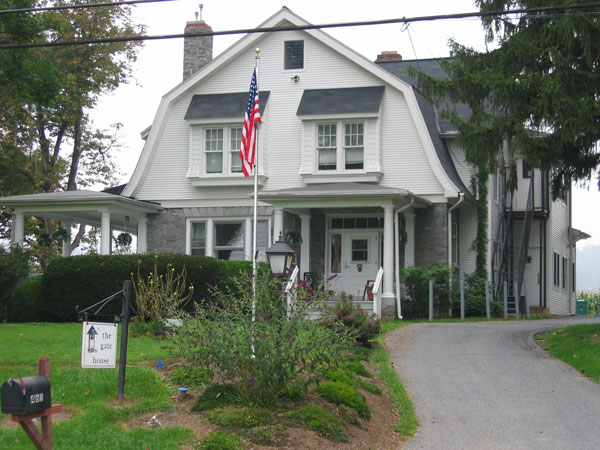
404, 20
78, 6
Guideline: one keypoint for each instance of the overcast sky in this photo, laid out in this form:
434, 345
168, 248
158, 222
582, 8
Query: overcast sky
159, 65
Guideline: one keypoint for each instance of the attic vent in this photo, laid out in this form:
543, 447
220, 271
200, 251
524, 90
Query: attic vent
293, 55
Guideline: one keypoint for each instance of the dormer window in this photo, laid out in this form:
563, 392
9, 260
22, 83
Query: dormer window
353, 145
217, 160
293, 55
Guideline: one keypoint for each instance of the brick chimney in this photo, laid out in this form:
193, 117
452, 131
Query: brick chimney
197, 51
388, 55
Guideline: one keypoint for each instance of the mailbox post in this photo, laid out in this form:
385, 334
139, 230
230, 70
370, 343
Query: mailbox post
29, 398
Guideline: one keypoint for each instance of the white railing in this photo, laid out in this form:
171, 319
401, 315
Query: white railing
377, 293
290, 290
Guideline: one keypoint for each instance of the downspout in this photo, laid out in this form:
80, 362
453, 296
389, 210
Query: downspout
397, 252
452, 208
570, 263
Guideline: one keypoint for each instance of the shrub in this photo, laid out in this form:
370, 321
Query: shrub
353, 317
221, 440
265, 359
216, 396
417, 284
24, 306
160, 295
475, 298
344, 394
13, 269
191, 377
86, 279
320, 420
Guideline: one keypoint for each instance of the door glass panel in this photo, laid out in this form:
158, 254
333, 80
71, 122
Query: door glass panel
336, 253
360, 250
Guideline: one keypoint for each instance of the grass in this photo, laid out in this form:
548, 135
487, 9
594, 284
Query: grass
407, 423
578, 345
88, 393
320, 420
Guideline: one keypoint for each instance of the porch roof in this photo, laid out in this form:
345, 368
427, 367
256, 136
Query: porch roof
82, 206
578, 235
339, 195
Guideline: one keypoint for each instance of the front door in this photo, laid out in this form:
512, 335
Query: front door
354, 258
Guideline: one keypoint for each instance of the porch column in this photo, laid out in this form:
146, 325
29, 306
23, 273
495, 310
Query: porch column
18, 229
305, 246
105, 234
210, 231
66, 244
409, 247
248, 240
277, 222
142, 235
388, 253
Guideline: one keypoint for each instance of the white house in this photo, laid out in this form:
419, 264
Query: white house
351, 158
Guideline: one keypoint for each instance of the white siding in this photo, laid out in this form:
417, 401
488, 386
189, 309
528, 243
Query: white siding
404, 161
468, 231
465, 169
558, 238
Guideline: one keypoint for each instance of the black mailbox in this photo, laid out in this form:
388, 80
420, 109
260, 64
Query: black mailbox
26, 395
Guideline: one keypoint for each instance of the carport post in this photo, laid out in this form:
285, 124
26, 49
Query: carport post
517, 298
431, 300
526, 301
462, 300
487, 300
505, 300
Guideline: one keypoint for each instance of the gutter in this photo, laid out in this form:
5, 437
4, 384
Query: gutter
397, 253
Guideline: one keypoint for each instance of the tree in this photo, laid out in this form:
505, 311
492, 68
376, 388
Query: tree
47, 141
539, 88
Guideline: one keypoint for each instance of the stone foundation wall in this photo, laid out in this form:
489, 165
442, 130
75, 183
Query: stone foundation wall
431, 234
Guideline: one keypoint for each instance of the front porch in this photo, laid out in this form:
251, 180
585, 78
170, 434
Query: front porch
348, 232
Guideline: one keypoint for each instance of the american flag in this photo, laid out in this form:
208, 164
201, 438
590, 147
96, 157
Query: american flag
251, 119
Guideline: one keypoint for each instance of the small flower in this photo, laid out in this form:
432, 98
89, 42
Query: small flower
358, 343
339, 316
251, 380
251, 292
332, 277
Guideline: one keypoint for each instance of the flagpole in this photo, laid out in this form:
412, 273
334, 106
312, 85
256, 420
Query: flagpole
254, 254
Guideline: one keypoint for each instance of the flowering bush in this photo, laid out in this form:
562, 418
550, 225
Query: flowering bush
352, 316
160, 296
265, 348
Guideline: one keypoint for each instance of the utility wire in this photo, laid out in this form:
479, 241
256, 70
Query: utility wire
78, 6
404, 20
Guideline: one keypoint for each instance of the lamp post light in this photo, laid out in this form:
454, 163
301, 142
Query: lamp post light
281, 257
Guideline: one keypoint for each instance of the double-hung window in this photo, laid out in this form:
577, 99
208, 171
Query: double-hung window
221, 150
327, 146
353, 145
213, 149
229, 240
333, 155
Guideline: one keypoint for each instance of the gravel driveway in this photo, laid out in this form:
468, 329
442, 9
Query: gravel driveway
487, 385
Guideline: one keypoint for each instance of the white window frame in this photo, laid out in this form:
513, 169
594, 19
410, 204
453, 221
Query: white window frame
227, 153
345, 147
210, 222
340, 147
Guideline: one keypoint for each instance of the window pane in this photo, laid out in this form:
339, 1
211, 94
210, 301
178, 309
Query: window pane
327, 159
214, 162
337, 223
213, 140
229, 235
294, 55
349, 222
360, 250
198, 235
236, 162
336, 253
373, 222
326, 135
354, 158
231, 255
361, 222
235, 143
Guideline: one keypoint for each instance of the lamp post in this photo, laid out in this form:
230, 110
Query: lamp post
281, 257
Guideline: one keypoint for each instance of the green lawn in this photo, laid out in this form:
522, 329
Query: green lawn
578, 346
88, 393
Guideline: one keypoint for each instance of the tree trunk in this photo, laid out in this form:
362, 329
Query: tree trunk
72, 183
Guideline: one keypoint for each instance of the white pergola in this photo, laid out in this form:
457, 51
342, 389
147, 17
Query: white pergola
107, 211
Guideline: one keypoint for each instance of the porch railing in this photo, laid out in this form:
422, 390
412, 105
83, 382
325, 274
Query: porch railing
377, 293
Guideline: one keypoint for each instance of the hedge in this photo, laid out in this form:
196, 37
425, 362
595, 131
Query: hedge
87, 279
25, 303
